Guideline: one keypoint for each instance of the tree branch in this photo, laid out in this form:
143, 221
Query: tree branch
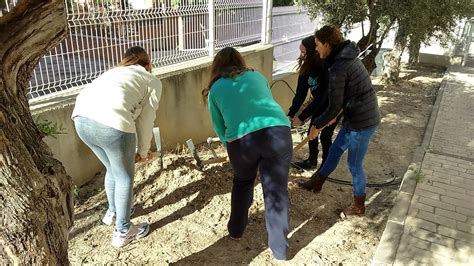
30, 29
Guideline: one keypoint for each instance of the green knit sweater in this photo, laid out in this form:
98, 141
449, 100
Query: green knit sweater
242, 105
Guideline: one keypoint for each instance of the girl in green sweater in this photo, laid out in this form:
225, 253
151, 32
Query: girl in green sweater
257, 135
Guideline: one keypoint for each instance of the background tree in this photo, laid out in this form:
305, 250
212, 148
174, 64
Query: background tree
344, 14
420, 22
36, 202
283, 2
406, 20
437, 21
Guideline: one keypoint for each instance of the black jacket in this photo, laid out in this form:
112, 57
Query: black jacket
317, 83
350, 89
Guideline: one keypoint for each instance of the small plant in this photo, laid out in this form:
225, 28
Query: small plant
420, 176
49, 128
75, 191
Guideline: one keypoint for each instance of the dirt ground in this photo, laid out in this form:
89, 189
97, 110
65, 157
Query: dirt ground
188, 209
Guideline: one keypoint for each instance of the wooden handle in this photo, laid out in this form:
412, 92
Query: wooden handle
305, 140
216, 160
299, 146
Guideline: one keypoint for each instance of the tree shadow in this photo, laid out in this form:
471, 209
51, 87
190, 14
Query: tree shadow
254, 241
86, 212
217, 180
86, 192
148, 181
89, 225
102, 206
408, 72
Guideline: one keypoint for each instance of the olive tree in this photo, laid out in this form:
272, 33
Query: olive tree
344, 14
423, 21
35, 192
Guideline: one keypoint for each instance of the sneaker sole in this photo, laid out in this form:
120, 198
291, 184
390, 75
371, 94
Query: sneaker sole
138, 236
145, 233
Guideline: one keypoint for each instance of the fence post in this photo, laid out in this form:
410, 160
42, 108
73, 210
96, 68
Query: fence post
467, 41
212, 27
180, 33
267, 21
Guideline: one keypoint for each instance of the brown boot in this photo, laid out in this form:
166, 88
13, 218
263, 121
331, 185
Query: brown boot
315, 183
357, 208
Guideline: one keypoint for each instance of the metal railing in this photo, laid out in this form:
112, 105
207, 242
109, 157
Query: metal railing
289, 25
171, 31
466, 40
238, 22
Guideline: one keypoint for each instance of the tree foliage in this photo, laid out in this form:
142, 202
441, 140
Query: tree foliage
418, 21
283, 2
423, 21
434, 20
344, 14
338, 13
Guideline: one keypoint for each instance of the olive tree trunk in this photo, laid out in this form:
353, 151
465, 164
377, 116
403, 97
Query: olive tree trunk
392, 60
36, 201
374, 37
414, 51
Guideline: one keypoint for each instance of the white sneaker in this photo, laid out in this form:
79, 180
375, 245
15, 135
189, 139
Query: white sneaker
109, 217
138, 231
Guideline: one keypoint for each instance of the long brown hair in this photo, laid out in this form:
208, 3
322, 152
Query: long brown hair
135, 55
312, 61
227, 63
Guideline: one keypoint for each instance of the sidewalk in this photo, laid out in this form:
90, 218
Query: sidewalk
432, 221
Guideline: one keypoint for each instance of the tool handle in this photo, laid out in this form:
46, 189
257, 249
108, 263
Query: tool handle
213, 139
156, 134
216, 160
300, 145
305, 140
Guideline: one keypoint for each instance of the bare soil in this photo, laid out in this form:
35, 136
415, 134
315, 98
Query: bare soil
188, 209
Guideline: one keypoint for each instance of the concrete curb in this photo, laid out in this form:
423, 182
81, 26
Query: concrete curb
388, 246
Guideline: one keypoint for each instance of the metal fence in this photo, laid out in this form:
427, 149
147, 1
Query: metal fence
171, 31
289, 25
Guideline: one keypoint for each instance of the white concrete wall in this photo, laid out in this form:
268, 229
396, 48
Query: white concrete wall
181, 115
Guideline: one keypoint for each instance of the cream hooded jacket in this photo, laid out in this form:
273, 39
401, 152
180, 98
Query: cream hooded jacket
124, 98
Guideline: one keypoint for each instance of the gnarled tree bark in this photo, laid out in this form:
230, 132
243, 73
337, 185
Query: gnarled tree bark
35, 192
414, 51
364, 42
374, 37
392, 60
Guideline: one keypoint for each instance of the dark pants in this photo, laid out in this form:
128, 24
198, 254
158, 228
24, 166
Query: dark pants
269, 150
326, 142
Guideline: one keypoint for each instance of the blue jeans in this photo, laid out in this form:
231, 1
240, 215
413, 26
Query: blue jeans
357, 143
116, 150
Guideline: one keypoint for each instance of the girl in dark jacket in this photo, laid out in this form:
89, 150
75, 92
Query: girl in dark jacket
313, 76
350, 89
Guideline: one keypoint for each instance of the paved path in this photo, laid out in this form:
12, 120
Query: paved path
439, 226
